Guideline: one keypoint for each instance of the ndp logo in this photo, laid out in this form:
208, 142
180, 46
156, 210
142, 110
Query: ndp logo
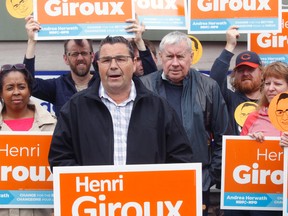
234, 5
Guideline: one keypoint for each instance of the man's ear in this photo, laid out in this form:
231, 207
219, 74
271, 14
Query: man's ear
93, 57
65, 58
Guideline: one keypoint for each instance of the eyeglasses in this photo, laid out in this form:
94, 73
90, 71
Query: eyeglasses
281, 112
138, 58
120, 60
8, 67
76, 54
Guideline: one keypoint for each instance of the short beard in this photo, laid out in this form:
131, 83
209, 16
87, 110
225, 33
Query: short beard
247, 88
81, 74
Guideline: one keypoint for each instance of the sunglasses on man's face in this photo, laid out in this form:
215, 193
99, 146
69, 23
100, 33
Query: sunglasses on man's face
8, 67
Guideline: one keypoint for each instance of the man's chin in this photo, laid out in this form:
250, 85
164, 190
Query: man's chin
81, 73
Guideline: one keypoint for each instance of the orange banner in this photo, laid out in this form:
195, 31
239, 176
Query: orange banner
160, 8
251, 166
24, 161
271, 43
88, 11
129, 190
252, 173
216, 9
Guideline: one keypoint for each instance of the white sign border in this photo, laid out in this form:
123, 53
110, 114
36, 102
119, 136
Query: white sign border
225, 137
96, 35
26, 133
57, 171
285, 183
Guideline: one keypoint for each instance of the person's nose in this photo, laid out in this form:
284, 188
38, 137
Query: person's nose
80, 57
175, 61
113, 63
285, 115
16, 91
246, 72
271, 87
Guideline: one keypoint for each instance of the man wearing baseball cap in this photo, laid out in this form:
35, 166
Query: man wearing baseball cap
245, 77
248, 58
246, 82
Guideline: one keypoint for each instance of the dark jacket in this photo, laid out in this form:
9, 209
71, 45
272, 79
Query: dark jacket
204, 115
84, 132
219, 73
57, 90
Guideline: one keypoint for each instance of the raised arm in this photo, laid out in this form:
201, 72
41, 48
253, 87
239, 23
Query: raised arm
148, 63
221, 65
42, 89
138, 29
31, 27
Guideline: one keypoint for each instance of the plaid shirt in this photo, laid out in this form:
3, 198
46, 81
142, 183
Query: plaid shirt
121, 114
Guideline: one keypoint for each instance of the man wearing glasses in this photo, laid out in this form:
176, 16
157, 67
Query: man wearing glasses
78, 55
282, 111
117, 120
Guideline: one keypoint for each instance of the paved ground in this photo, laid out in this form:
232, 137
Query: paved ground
49, 54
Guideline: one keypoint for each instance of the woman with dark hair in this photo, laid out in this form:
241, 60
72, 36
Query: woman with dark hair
20, 113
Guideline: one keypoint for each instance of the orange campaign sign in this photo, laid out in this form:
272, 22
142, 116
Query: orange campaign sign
25, 177
215, 16
160, 14
252, 174
166, 189
271, 46
82, 19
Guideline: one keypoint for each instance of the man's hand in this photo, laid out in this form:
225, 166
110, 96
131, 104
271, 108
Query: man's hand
31, 27
138, 30
284, 139
232, 35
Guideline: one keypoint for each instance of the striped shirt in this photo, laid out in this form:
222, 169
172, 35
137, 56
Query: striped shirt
121, 114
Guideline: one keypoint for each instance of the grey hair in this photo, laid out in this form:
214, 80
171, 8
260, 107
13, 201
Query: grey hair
173, 38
